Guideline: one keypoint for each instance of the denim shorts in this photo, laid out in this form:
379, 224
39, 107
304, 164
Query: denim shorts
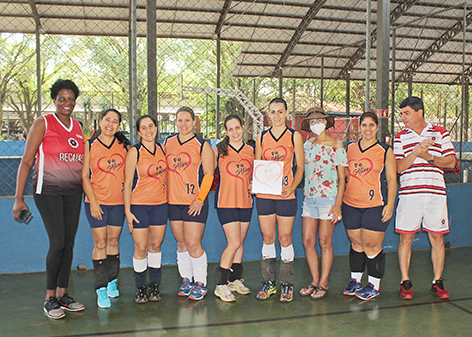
318, 208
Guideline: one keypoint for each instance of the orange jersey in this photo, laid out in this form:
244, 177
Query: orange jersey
367, 182
149, 185
107, 173
185, 171
281, 149
235, 172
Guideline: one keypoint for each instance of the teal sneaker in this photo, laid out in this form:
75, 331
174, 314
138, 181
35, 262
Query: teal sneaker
112, 289
103, 301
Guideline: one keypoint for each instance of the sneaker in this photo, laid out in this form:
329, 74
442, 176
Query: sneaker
352, 287
287, 292
186, 287
268, 288
439, 289
141, 296
367, 293
239, 287
103, 301
198, 291
223, 292
154, 294
69, 304
406, 290
53, 309
112, 289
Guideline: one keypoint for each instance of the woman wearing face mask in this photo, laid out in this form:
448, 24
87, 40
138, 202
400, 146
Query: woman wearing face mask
325, 162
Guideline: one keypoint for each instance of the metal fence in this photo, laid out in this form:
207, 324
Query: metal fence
307, 75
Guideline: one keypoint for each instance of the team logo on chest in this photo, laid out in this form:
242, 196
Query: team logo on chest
111, 164
157, 171
239, 169
179, 163
277, 154
361, 168
73, 143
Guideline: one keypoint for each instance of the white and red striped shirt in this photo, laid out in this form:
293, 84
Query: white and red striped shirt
422, 177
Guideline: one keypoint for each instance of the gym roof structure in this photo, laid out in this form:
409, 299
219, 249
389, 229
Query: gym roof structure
298, 38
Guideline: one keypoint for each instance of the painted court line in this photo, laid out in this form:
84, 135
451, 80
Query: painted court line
265, 320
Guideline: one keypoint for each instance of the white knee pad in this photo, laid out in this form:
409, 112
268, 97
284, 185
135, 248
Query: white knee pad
287, 254
184, 264
154, 260
139, 265
268, 251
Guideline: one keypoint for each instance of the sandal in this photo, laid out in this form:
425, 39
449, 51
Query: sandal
322, 291
308, 290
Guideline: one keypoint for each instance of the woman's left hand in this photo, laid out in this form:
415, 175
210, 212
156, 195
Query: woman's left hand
286, 192
336, 212
387, 213
195, 208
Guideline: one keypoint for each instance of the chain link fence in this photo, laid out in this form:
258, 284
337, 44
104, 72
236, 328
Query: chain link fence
310, 53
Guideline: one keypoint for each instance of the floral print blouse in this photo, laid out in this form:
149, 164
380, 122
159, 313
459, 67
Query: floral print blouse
321, 176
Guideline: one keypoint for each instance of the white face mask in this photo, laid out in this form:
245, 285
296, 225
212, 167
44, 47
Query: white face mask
317, 128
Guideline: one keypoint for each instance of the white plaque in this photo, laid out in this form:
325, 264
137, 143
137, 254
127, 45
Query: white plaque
267, 177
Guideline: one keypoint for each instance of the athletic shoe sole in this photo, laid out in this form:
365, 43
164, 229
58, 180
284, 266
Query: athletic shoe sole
53, 317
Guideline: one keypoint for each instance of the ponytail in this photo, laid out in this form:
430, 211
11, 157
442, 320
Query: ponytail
120, 135
222, 147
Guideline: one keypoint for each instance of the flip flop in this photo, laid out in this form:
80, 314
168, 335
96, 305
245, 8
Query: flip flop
308, 290
319, 290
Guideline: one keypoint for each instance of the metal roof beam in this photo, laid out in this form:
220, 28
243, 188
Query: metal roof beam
221, 20
437, 45
467, 75
298, 33
34, 10
396, 13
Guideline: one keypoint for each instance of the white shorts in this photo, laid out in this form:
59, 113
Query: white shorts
429, 209
318, 208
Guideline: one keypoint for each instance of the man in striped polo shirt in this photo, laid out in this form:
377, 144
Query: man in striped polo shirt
422, 152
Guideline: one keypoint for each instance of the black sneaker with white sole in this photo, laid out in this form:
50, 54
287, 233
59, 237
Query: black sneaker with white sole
53, 309
68, 303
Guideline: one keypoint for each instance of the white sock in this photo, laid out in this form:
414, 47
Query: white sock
375, 281
184, 264
357, 276
199, 266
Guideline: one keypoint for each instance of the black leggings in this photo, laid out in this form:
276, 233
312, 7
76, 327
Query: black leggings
60, 214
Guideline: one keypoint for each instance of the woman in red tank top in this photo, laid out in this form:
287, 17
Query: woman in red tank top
56, 141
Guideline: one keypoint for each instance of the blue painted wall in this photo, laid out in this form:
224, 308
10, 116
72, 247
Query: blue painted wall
23, 247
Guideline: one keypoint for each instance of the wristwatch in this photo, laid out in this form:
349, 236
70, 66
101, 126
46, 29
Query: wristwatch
431, 160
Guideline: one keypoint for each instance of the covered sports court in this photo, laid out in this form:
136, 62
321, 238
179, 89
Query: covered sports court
320, 52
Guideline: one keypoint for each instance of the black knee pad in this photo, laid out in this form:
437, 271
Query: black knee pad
100, 275
221, 276
357, 261
236, 272
268, 269
287, 272
113, 264
376, 266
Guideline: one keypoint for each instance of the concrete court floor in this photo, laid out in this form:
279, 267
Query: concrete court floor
336, 315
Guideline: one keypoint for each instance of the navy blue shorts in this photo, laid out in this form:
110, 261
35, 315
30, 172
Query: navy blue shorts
180, 213
112, 216
280, 207
228, 215
150, 215
366, 218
